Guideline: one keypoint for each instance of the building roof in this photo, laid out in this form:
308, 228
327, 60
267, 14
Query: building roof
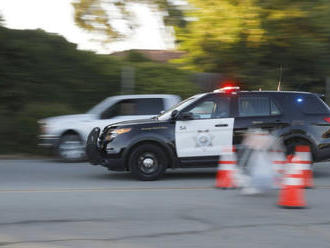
156, 55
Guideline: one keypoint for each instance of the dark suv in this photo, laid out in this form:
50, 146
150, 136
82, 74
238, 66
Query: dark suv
193, 132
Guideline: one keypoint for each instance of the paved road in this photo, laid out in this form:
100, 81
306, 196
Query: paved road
51, 204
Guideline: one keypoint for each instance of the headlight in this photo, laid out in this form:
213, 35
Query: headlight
115, 132
43, 127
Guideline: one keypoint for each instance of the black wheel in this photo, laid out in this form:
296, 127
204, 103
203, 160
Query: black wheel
148, 162
71, 149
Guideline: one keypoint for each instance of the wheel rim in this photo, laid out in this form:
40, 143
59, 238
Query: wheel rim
148, 163
71, 149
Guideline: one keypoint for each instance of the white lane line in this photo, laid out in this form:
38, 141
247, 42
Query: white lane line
60, 190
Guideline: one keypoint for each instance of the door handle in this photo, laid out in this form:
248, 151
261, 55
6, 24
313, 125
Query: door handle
203, 131
221, 125
257, 122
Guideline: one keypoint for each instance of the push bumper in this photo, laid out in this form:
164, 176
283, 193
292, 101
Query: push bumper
98, 157
92, 149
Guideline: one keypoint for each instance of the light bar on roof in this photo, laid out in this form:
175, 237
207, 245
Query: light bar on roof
228, 89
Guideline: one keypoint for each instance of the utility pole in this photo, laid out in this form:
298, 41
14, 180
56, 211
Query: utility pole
127, 80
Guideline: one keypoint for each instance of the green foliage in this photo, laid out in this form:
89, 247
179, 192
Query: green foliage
249, 41
43, 75
163, 79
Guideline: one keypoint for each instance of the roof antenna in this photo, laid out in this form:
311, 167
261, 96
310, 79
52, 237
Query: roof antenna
280, 79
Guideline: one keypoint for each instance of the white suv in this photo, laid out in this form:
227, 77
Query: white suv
68, 133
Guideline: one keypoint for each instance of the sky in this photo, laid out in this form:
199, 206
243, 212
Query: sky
56, 16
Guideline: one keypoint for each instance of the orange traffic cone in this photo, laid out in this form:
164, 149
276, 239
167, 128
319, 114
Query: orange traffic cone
226, 169
303, 154
292, 191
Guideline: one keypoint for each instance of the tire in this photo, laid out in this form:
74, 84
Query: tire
148, 162
71, 149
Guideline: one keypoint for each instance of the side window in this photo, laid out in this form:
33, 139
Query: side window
204, 110
253, 106
211, 107
223, 108
149, 106
142, 106
274, 110
124, 107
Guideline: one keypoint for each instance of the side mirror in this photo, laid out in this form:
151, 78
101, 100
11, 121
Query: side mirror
162, 112
186, 116
174, 114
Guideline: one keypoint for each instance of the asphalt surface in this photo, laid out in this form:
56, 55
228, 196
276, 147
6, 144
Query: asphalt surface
52, 204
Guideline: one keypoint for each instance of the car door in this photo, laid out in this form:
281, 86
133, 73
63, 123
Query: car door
210, 128
256, 111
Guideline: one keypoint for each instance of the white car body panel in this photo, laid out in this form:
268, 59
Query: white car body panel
203, 137
54, 127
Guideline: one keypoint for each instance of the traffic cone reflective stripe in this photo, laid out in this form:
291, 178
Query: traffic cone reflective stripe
303, 156
279, 160
293, 181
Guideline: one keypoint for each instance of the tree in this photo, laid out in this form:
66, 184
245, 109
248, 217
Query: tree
249, 40
92, 15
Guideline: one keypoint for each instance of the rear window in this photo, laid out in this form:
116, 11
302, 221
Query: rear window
257, 106
312, 104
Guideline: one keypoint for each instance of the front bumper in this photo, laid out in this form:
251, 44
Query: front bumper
98, 157
48, 141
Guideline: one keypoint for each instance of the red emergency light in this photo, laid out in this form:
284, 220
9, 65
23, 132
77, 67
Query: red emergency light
228, 89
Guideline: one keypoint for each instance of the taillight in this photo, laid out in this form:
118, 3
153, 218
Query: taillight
327, 119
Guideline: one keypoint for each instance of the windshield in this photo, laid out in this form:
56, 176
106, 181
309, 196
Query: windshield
98, 108
181, 105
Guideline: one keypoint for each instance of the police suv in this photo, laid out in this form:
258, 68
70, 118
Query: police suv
192, 133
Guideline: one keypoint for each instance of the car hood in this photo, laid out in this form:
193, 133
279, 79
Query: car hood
136, 122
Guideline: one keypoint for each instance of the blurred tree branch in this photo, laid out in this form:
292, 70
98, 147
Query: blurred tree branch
95, 15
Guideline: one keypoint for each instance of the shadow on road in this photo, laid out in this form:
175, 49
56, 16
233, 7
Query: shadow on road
187, 174
320, 171
169, 175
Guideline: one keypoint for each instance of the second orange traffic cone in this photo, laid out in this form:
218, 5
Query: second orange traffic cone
292, 191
